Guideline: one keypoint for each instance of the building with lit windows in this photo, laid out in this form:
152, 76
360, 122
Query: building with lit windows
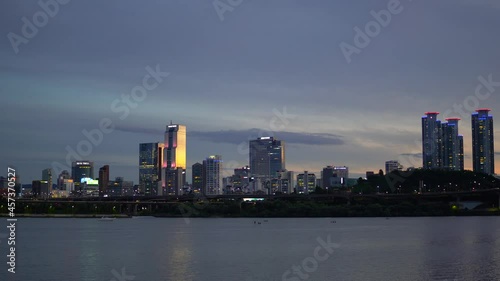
306, 183
267, 159
452, 145
150, 167
174, 159
212, 179
197, 177
483, 152
431, 141
80, 170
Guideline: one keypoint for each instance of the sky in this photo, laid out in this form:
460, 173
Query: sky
237, 70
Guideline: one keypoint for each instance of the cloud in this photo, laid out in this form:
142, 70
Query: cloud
146, 131
238, 136
418, 155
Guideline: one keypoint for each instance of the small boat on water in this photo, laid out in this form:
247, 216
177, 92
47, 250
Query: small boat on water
106, 219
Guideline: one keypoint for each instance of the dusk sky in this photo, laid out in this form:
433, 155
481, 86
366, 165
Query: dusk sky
232, 74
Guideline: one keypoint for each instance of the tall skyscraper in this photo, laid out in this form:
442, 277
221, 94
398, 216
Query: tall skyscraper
82, 169
213, 175
267, 157
174, 155
197, 177
431, 141
103, 180
483, 152
150, 167
452, 145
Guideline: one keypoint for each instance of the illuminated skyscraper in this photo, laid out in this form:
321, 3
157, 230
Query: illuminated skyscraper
150, 167
431, 141
174, 155
483, 152
267, 157
452, 146
82, 169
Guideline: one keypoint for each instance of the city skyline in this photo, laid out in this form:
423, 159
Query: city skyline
283, 72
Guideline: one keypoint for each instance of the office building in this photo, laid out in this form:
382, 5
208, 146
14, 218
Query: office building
267, 157
150, 167
212, 177
103, 180
306, 182
40, 189
483, 152
82, 169
197, 177
47, 176
174, 158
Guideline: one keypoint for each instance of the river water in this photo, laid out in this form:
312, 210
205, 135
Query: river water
156, 249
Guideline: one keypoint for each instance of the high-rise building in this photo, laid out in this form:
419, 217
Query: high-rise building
47, 176
174, 155
213, 175
82, 169
267, 157
150, 167
197, 177
392, 165
431, 141
452, 145
103, 180
483, 152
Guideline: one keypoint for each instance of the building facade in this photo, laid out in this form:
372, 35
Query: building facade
82, 169
266, 157
150, 167
431, 141
197, 177
174, 159
103, 180
483, 151
442, 145
213, 175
